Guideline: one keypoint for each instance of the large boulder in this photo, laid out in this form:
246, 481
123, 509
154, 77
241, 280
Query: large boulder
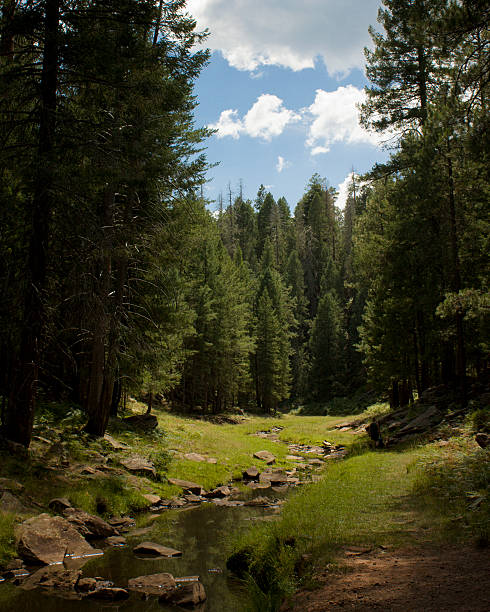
154, 584
266, 456
89, 526
45, 539
139, 465
186, 594
155, 550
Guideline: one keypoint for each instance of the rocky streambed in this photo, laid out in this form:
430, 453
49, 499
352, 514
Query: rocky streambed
71, 560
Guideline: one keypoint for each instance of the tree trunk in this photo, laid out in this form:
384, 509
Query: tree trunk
21, 406
460, 346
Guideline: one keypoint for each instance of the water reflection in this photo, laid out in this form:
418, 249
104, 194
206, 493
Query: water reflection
199, 533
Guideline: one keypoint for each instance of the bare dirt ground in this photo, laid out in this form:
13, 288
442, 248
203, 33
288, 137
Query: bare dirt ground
409, 580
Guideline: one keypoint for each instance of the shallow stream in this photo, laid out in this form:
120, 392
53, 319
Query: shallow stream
200, 534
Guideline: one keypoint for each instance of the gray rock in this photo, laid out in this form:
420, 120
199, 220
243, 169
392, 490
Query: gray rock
154, 584
124, 523
59, 504
48, 539
192, 487
115, 444
274, 478
422, 422
155, 550
194, 457
10, 503
88, 525
145, 422
266, 456
108, 594
139, 465
482, 439
186, 594
251, 474
53, 577
219, 492
153, 500
116, 541
85, 585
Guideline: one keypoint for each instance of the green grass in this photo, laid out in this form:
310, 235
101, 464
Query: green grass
453, 485
7, 542
360, 501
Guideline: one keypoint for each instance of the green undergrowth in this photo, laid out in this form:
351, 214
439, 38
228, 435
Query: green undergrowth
107, 497
453, 485
7, 541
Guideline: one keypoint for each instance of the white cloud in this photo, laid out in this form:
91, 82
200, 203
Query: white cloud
288, 33
267, 118
228, 124
336, 119
319, 150
282, 164
343, 189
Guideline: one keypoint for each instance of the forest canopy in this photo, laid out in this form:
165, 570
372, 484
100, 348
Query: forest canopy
118, 279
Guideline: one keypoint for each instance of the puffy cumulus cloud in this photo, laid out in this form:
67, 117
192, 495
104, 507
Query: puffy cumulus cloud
336, 119
267, 118
288, 33
282, 164
228, 124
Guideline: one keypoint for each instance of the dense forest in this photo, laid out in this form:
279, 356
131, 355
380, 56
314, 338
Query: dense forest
117, 279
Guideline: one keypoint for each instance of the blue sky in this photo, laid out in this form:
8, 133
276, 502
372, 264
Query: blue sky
281, 90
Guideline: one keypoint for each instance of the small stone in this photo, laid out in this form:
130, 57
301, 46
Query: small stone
193, 499
116, 541
115, 444
85, 585
219, 492
153, 500
482, 439
192, 487
186, 594
139, 465
315, 462
124, 523
266, 456
155, 550
87, 470
194, 457
154, 584
108, 594
251, 474
59, 504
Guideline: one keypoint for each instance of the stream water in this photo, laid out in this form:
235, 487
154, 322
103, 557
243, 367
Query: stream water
199, 533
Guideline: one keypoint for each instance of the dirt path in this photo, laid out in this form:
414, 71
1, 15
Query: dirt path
409, 580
